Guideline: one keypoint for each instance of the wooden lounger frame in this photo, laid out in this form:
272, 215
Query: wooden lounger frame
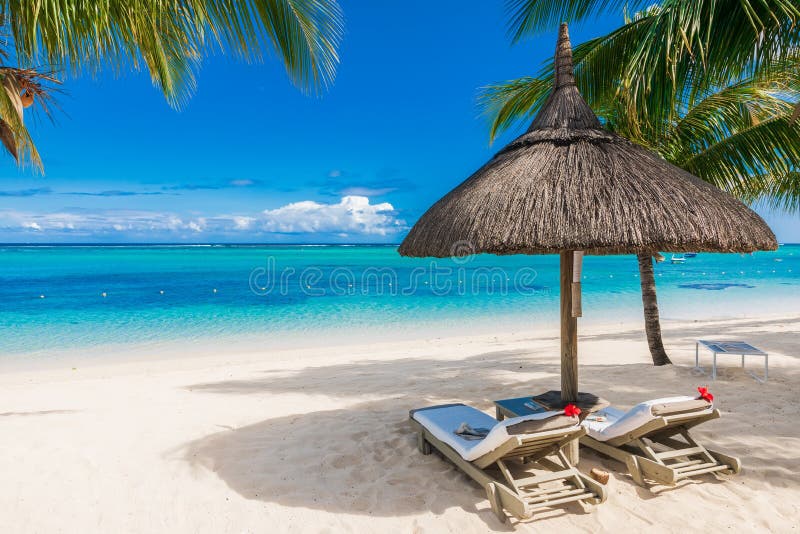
651, 451
523, 496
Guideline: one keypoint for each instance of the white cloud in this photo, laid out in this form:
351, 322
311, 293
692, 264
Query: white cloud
242, 223
352, 215
84, 222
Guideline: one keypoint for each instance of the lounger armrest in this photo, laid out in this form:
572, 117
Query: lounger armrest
415, 410
663, 424
552, 438
689, 407
689, 422
489, 458
651, 426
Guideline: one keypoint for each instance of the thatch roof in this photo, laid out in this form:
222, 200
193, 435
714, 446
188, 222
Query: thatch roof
569, 184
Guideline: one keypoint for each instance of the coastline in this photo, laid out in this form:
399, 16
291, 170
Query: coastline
277, 347
309, 439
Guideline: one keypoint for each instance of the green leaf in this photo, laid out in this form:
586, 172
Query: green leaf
511, 102
169, 38
771, 147
529, 17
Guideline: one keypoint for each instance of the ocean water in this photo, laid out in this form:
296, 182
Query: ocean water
60, 298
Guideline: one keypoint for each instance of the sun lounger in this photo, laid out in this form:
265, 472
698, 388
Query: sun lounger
494, 460
644, 438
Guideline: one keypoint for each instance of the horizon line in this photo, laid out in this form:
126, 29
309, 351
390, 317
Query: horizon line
183, 244
216, 244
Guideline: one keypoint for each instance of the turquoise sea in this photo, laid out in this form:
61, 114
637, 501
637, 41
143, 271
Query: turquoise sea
57, 298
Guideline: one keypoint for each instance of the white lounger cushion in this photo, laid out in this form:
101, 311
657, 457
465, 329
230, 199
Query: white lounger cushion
618, 423
443, 421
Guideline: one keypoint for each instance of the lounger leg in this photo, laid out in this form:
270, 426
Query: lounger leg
423, 446
714, 368
595, 487
734, 463
494, 500
633, 469
619, 455
572, 453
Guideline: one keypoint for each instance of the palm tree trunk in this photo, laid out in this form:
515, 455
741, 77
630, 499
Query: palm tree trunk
652, 325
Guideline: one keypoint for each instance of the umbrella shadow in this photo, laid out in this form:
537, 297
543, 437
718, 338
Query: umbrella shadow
363, 460
414, 382
40, 412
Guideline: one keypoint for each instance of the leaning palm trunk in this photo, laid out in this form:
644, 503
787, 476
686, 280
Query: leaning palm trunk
652, 325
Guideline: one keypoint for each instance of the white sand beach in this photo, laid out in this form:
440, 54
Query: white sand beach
317, 440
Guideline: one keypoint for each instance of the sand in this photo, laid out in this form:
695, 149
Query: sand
317, 440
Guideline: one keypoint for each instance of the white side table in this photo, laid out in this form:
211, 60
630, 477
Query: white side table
738, 348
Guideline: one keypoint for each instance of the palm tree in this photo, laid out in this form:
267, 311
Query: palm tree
700, 44
169, 38
727, 121
22, 88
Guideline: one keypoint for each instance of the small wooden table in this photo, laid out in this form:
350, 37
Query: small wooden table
516, 407
737, 348
520, 406
549, 401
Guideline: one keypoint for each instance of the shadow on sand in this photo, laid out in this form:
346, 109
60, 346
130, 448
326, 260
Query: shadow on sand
756, 332
40, 412
363, 459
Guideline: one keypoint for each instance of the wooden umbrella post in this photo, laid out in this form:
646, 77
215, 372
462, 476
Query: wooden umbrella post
569, 342
569, 332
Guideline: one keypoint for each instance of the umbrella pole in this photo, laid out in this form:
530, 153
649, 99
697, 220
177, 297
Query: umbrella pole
569, 343
569, 332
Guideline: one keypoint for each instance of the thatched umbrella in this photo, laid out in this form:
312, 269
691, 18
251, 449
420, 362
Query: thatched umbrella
570, 186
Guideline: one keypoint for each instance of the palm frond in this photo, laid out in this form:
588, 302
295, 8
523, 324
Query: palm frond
13, 133
782, 192
8, 139
38, 84
771, 147
598, 74
733, 109
305, 33
709, 43
529, 17
512, 102
23, 88
600, 63
170, 37
682, 44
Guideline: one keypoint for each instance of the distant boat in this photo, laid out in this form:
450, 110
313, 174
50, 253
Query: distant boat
677, 259
690, 255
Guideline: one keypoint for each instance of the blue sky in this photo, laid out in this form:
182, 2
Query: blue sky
252, 159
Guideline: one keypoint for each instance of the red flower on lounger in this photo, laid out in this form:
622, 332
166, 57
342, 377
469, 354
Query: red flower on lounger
570, 410
705, 395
